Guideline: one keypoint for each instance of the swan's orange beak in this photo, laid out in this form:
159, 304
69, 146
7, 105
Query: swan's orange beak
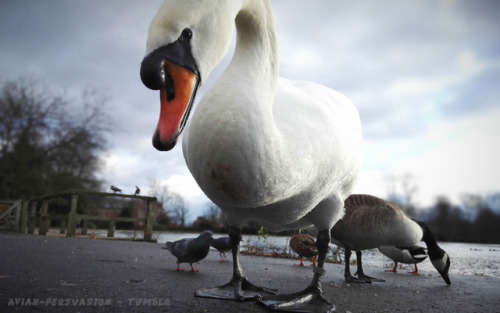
176, 103
172, 70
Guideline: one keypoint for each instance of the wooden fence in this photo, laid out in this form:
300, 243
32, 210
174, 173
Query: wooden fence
25, 214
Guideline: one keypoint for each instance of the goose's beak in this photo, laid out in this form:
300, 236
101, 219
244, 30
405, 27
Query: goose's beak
172, 70
446, 278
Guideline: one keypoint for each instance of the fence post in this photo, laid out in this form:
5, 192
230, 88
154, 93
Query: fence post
111, 228
24, 217
148, 227
32, 218
71, 228
62, 230
44, 218
18, 215
85, 226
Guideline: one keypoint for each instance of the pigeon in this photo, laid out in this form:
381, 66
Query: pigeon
190, 250
408, 255
137, 191
115, 189
305, 246
222, 245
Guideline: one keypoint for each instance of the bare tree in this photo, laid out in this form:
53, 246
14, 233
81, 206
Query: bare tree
160, 191
213, 212
409, 189
173, 203
46, 142
403, 198
179, 210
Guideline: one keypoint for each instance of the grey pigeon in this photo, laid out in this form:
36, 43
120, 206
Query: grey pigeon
223, 245
137, 191
115, 189
190, 250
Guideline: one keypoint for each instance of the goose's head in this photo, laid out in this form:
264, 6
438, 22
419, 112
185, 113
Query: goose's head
439, 258
442, 265
186, 40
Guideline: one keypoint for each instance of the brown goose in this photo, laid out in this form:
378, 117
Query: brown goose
371, 222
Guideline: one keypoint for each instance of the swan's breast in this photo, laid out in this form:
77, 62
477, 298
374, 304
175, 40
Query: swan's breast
304, 146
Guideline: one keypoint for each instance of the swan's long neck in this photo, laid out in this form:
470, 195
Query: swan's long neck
256, 50
233, 126
245, 91
241, 100
255, 61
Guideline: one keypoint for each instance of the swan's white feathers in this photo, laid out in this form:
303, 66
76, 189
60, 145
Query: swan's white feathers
283, 153
211, 25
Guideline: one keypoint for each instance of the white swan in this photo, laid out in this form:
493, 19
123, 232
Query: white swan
282, 153
371, 222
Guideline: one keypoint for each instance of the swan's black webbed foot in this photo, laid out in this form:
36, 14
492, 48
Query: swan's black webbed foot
309, 300
238, 289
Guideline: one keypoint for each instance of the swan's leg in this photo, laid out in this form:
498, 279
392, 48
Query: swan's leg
239, 288
311, 299
361, 274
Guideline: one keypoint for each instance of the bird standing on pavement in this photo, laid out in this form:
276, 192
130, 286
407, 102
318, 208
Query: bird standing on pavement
305, 246
222, 245
190, 250
282, 153
371, 222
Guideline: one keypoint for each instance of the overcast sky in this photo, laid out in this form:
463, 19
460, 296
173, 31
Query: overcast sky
424, 75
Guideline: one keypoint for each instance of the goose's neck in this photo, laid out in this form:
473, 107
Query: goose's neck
435, 252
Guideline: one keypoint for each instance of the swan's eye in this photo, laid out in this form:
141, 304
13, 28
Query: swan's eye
186, 34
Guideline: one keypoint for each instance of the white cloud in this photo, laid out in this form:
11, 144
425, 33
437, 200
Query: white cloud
411, 68
451, 158
185, 185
